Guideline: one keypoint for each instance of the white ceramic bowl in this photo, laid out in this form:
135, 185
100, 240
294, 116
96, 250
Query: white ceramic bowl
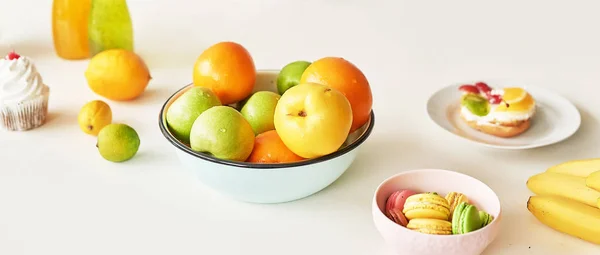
266, 183
405, 241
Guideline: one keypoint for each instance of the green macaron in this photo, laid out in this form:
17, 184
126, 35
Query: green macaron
465, 219
486, 218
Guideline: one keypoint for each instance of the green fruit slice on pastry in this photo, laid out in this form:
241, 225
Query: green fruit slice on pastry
476, 104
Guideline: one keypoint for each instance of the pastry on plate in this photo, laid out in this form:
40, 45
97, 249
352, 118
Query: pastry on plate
23, 94
505, 112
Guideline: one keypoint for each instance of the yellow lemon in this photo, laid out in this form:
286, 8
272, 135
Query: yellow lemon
93, 116
117, 74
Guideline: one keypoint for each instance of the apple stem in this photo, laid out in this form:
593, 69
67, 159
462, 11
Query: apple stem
302, 114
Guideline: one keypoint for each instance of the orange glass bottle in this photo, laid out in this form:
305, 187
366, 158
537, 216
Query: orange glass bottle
70, 28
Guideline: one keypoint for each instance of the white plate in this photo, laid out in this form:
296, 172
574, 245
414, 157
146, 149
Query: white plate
556, 118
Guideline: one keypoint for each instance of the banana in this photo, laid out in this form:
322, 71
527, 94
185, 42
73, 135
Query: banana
563, 185
581, 167
567, 216
593, 181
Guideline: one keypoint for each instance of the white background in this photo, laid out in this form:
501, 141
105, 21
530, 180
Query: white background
59, 197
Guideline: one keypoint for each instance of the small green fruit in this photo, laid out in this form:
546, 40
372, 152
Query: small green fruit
118, 142
290, 74
259, 110
184, 111
476, 104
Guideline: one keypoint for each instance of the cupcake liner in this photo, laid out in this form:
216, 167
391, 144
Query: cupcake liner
25, 115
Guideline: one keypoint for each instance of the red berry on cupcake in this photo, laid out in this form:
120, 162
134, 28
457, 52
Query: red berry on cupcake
12, 55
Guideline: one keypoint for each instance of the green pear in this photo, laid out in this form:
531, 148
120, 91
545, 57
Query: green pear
184, 111
118, 142
476, 104
259, 110
224, 133
290, 74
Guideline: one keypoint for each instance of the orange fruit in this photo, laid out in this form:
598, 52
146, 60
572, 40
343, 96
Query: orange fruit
117, 74
228, 69
344, 76
515, 100
269, 148
514, 95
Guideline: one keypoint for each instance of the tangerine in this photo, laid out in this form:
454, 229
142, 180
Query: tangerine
228, 69
344, 76
269, 148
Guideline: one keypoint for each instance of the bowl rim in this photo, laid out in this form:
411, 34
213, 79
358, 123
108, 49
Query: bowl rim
434, 170
263, 166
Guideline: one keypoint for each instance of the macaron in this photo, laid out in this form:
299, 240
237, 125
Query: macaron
398, 217
431, 226
455, 198
426, 206
486, 218
397, 199
395, 204
465, 219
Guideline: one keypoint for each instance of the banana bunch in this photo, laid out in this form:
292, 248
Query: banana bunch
568, 198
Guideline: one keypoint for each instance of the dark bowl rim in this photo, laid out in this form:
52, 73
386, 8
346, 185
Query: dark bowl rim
179, 145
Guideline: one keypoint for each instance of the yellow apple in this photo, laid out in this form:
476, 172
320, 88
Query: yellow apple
313, 120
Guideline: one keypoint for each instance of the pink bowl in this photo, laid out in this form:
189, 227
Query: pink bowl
409, 242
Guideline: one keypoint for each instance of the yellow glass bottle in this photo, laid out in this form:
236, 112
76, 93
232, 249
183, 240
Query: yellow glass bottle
70, 28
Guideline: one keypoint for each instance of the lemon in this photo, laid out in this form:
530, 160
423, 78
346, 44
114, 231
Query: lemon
93, 116
118, 142
117, 74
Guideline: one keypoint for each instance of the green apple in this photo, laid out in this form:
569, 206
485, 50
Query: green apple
184, 111
313, 120
290, 74
222, 132
259, 110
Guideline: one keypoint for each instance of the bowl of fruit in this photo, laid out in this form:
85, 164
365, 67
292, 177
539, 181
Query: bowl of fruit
432, 211
268, 136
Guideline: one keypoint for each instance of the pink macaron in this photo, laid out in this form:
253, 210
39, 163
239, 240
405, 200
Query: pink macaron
395, 205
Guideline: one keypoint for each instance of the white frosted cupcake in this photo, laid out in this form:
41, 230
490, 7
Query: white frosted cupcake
23, 95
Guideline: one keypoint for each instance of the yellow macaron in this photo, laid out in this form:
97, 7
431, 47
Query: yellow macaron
426, 206
454, 199
431, 226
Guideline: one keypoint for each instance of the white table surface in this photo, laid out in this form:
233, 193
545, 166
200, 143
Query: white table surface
58, 196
